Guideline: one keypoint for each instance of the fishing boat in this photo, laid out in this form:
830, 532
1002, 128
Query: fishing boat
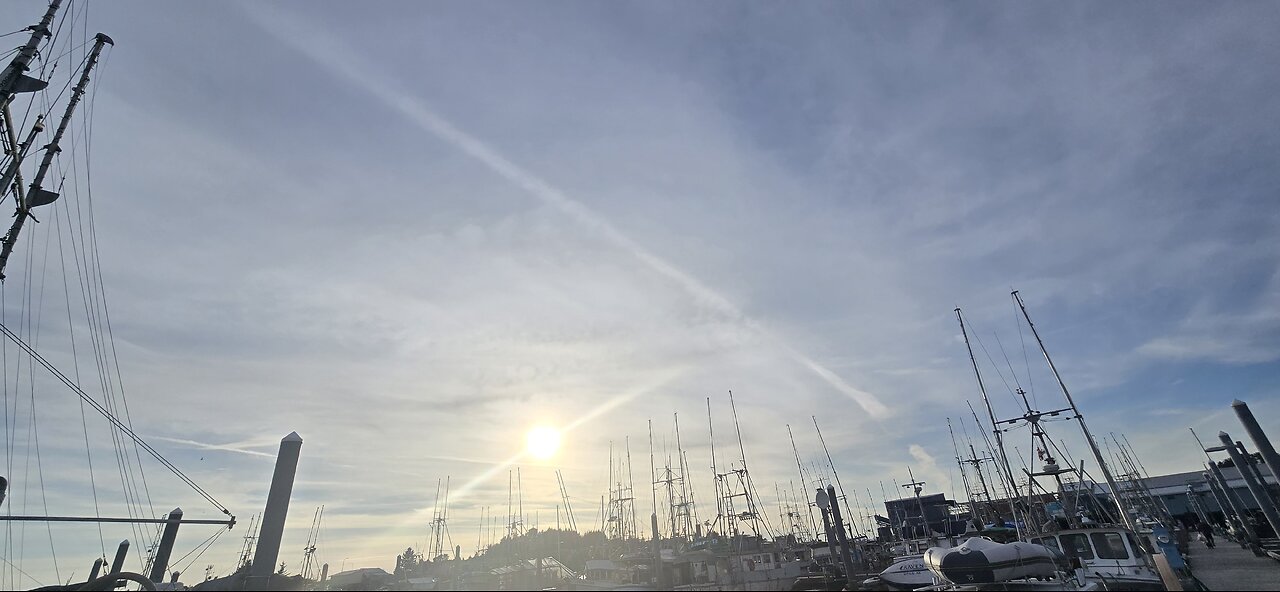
1104, 548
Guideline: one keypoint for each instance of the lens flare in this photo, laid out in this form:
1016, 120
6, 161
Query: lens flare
543, 442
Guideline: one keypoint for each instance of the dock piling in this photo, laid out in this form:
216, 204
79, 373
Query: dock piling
1257, 489
273, 517
1259, 437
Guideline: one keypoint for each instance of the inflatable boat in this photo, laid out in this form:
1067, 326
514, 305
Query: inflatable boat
983, 561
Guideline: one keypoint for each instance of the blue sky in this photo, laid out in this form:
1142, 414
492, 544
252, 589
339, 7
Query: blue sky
413, 231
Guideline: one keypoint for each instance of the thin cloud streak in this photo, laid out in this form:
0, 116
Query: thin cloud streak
234, 447
342, 63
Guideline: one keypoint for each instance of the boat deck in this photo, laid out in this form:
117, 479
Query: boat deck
1228, 567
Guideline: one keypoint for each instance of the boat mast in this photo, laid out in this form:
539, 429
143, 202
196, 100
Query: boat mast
1093, 445
686, 494
18, 153
803, 485
835, 473
917, 487
14, 79
744, 477
964, 476
631, 494
720, 500
995, 429
653, 487
36, 195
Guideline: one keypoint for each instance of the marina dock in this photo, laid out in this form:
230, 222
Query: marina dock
1228, 567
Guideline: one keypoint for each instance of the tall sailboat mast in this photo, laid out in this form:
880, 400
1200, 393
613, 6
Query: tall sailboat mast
14, 79
36, 194
995, 429
1084, 427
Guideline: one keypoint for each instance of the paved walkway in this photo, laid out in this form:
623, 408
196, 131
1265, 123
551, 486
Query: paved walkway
1228, 567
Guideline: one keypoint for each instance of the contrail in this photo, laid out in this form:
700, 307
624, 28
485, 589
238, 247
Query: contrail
327, 51
233, 447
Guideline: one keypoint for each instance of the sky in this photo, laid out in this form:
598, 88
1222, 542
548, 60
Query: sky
411, 232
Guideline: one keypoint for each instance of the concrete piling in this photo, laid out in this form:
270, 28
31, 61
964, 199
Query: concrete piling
273, 518
1259, 437
1257, 489
165, 550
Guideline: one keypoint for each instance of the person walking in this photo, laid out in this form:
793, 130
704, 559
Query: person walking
1206, 533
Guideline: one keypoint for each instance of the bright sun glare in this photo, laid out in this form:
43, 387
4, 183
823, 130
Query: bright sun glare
542, 442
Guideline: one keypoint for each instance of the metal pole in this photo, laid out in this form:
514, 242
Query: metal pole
272, 525
1259, 437
165, 550
1259, 494
227, 523
97, 567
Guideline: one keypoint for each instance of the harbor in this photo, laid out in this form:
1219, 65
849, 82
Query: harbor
631, 297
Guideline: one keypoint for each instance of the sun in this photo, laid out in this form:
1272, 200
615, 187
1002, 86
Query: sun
542, 442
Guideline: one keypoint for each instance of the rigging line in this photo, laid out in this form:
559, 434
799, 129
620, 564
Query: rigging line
205, 545
69, 50
1031, 386
44, 265
94, 269
53, 41
75, 360
123, 465
29, 576
1006, 359
997, 368
125, 480
90, 116
54, 103
24, 322
125, 474
114, 420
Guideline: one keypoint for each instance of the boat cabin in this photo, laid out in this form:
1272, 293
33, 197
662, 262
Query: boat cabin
1106, 554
